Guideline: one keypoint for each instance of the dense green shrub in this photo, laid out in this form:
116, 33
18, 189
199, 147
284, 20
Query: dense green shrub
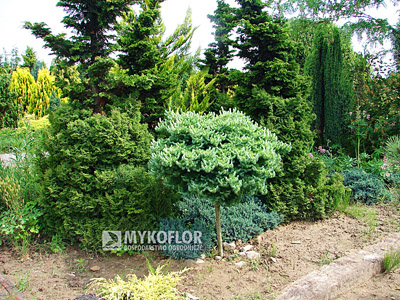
8, 103
92, 179
302, 190
366, 188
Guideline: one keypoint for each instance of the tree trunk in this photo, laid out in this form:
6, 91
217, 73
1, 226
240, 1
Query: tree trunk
218, 228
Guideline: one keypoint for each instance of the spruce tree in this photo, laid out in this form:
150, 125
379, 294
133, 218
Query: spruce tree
331, 93
149, 61
30, 59
92, 24
273, 92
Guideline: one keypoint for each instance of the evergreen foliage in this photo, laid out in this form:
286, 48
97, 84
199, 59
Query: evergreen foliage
92, 24
331, 93
22, 84
243, 221
272, 91
91, 177
30, 59
219, 157
8, 103
365, 187
181, 225
40, 93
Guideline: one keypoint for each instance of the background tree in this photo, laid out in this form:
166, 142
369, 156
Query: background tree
8, 102
196, 96
271, 90
356, 13
30, 59
22, 84
219, 157
8, 99
40, 93
92, 24
331, 93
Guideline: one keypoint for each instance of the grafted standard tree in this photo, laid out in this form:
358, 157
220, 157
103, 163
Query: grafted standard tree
219, 157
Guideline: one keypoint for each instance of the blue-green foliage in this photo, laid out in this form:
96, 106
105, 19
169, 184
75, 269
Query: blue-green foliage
92, 179
242, 221
182, 224
366, 188
238, 222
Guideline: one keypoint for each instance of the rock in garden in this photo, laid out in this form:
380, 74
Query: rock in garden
246, 248
240, 264
199, 261
273, 259
189, 296
229, 246
217, 257
253, 255
203, 256
95, 269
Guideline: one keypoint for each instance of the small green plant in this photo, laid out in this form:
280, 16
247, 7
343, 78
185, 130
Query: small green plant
80, 265
272, 250
157, 285
391, 260
255, 264
56, 244
326, 258
23, 283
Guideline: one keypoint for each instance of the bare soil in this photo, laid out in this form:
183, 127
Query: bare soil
287, 253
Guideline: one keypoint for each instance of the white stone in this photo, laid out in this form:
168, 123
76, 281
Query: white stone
217, 257
246, 248
189, 296
240, 264
199, 261
253, 255
229, 246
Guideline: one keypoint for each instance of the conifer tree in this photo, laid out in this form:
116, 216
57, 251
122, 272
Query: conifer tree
92, 24
29, 58
22, 84
40, 95
272, 91
8, 102
331, 93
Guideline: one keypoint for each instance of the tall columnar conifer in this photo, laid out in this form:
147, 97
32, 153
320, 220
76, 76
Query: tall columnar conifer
331, 93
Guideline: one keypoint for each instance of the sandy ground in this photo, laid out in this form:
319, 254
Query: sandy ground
287, 253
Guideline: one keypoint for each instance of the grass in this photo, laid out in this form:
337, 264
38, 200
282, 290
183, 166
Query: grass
15, 138
23, 283
391, 261
365, 214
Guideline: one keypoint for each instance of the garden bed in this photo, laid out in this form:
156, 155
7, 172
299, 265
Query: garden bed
287, 253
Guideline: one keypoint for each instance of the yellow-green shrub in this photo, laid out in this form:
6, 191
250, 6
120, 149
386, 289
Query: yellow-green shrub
155, 286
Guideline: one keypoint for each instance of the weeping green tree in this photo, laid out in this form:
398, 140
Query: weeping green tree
220, 157
331, 93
